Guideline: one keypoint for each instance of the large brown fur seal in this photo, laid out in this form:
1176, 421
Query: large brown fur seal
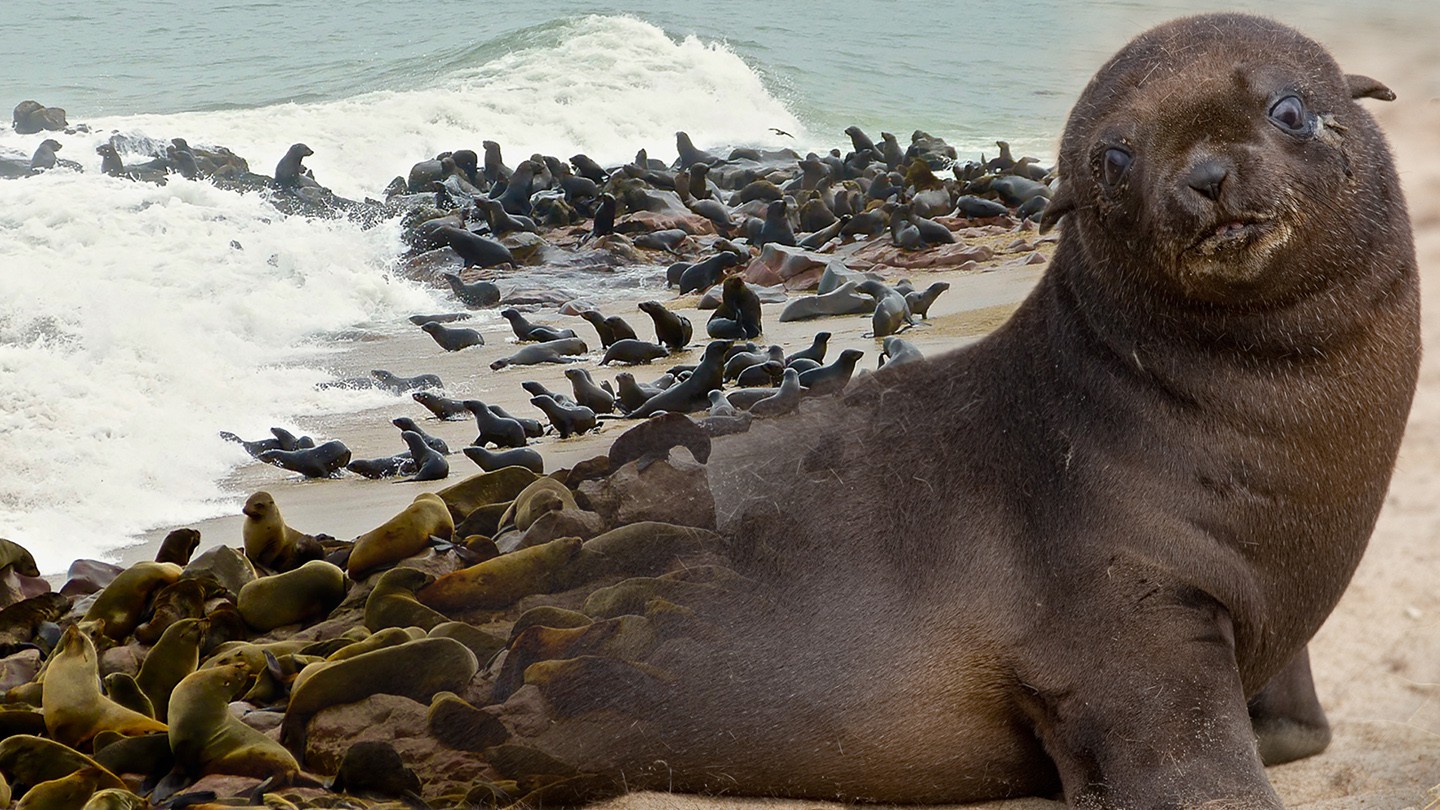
1080, 554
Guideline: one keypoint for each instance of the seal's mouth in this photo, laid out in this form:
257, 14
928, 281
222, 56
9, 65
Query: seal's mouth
1233, 234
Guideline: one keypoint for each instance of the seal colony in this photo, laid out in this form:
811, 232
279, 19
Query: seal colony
1141, 516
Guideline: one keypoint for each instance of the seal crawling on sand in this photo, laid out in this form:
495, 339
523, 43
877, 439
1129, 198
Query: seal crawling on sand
1086, 553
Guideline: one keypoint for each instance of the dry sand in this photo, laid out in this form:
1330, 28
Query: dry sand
1377, 659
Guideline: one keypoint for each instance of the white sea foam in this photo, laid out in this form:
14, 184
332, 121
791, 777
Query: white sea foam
131, 330
608, 86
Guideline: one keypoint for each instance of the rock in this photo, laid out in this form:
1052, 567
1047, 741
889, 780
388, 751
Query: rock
524, 245
940, 257
552, 525
402, 723
675, 490
120, 659
227, 564
224, 786
88, 576
795, 268
30, 117
650, 221
18, 669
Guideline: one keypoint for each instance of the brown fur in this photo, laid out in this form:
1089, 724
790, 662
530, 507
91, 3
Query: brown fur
1068, 556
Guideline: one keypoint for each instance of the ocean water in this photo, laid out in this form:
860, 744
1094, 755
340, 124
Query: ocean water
137, 321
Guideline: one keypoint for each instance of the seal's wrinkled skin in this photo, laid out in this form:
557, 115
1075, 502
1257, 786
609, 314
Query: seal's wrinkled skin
1082, 554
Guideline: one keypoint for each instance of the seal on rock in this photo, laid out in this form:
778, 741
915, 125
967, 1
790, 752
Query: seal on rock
308, 592
75, 710
289, 169
207, 738
404, 535
443, 408
269, 541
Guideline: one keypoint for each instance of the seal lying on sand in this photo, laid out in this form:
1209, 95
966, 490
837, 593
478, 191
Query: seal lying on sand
1086, 552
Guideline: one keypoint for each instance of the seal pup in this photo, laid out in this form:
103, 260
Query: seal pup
632, 351
672, 330
429, 464
289, 170
490, 461
609, 329
323, 461
834, 377
589, 394
785, 399
526, 331
567, 420
435, 443
495, 430
444, 408
452, 338
561, 350
815, 351
920, 301
476, 294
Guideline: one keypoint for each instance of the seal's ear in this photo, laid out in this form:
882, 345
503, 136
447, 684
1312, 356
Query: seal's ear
1061, 204
1366, 87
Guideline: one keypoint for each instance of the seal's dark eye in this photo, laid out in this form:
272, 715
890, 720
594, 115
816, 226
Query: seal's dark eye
1116, 163
1289, 114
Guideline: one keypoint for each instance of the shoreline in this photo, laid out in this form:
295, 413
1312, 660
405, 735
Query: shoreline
351, 505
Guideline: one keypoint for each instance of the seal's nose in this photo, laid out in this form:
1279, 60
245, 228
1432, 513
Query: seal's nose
1206, 178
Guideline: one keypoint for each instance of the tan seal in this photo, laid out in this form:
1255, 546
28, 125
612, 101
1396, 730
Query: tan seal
207, 738
403, 535
269, 541
75, 710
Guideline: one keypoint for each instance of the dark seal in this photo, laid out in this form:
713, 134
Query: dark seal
1085, 554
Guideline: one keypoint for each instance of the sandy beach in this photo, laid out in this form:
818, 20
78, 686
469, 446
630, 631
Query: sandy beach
1377, 659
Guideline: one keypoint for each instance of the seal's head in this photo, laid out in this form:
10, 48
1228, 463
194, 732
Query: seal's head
258, 506
1208, 147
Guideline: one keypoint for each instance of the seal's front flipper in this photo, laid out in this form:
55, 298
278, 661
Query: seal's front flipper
1151, 712
1287, 717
